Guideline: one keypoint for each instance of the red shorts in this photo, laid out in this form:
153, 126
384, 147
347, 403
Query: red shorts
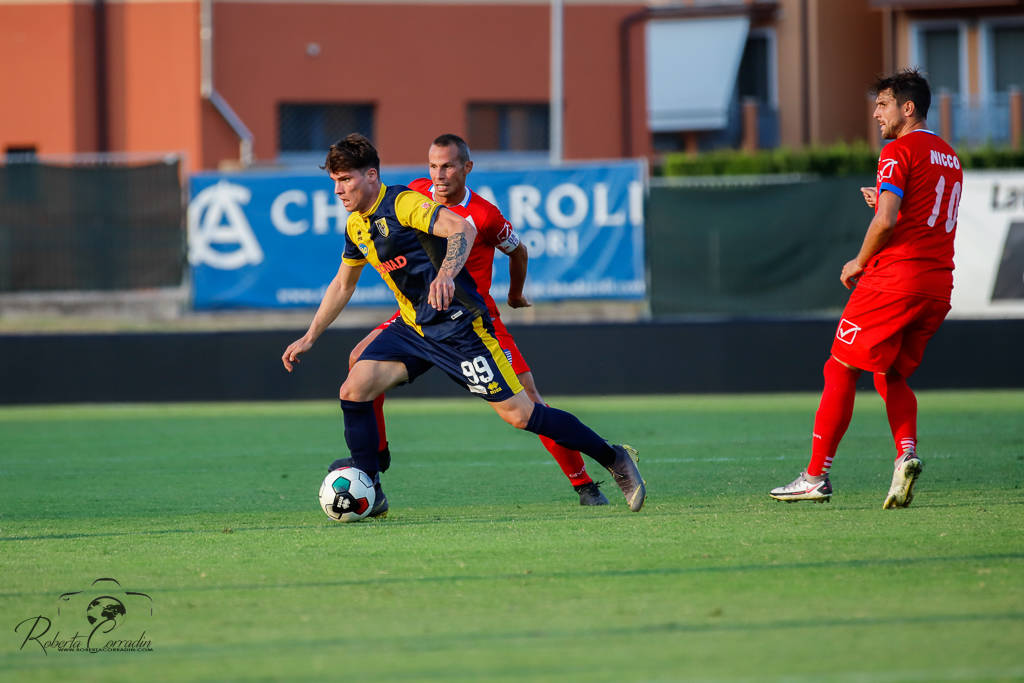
505, 341
882, 331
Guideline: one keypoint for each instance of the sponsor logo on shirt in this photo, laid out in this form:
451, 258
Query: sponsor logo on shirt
886, 168
392, 264
847, 331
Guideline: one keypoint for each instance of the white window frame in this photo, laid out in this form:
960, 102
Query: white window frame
986, 61
917, 49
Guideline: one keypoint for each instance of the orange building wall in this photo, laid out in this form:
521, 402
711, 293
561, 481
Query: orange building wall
83, 74
503, 57
49, 79
973, 54
153, 67
593, 128
640, 143
789, 46
37, 79
411, 60
846, 49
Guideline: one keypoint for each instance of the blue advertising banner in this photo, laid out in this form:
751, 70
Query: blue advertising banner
263, 240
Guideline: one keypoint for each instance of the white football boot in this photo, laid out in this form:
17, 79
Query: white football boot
803, 489
901, 491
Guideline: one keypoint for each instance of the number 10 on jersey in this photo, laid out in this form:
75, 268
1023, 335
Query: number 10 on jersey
952, 209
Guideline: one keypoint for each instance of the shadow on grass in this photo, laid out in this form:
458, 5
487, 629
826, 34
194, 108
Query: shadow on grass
378, 581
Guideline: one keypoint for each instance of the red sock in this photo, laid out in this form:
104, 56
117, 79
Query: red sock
833, 416
378, 412
570, 461
901, 409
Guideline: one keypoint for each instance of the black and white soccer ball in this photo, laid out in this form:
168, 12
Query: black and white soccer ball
347, 494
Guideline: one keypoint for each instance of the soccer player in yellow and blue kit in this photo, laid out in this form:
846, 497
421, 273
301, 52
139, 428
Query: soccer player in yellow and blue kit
419, 249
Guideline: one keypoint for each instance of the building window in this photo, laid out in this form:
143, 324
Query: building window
508, 127
1001, 62
755, 75
1007, 58
756, 78
20, 153
940, 55
315, 127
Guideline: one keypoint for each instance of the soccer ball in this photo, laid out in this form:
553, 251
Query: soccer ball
347, 494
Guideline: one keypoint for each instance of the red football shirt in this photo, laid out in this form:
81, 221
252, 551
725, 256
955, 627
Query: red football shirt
492, 231
918, 259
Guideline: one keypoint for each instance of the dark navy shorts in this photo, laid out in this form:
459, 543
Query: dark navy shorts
471, 357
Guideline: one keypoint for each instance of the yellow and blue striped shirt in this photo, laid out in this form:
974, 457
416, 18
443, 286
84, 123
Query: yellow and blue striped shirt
396, 237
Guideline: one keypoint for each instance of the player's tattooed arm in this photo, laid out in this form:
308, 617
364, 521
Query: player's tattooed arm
460, 235
458, 252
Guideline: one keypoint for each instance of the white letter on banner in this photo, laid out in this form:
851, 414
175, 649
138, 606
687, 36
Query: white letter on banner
534, 241
561, 244
555, 243
554, 206
601, 215
322, 213
636, 203
279, 215
523, 201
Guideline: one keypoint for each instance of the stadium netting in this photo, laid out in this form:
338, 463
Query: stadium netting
99, 223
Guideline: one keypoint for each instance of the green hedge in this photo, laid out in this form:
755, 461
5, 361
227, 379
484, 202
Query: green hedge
835, 160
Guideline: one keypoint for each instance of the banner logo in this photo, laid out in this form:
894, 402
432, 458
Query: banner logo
219, 234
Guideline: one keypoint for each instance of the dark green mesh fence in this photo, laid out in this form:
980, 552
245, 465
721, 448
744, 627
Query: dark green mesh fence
91, 227
753, 250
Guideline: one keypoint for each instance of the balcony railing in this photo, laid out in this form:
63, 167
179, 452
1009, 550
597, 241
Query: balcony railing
974, 120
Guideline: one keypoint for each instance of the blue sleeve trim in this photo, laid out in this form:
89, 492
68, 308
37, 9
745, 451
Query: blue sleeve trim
433, 220
891, 188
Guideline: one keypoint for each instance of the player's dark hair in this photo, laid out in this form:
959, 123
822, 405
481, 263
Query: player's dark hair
907, 86
449, 139
354, 152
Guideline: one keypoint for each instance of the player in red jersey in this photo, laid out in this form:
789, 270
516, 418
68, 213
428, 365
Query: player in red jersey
903, 277
449, 164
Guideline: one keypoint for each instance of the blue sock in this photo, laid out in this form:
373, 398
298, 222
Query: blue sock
361, 435
565, 429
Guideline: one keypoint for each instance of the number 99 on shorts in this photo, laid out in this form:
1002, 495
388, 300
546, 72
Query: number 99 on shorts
477, 371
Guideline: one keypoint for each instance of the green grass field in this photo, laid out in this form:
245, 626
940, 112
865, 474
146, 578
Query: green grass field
487, 569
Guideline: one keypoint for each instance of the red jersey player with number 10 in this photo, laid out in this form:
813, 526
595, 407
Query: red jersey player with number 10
449, 164
903, 277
